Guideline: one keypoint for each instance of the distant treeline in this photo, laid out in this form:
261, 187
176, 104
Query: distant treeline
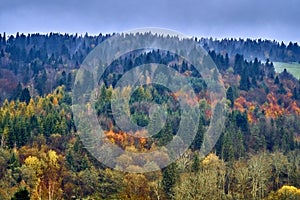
251, 49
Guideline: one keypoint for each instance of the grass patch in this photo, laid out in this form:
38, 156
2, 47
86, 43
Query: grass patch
293, 68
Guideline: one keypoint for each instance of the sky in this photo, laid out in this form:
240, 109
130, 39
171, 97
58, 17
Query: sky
274, 20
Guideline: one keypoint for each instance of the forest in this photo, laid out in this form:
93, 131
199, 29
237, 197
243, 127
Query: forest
42, 157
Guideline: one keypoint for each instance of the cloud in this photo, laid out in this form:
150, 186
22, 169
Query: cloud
217, 18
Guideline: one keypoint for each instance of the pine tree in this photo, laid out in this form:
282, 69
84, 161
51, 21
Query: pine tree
196, 163
230, 96
276, 81
25, 96
245, 82
170, 177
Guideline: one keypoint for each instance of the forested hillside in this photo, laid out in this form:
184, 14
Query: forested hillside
42, 157
51, 59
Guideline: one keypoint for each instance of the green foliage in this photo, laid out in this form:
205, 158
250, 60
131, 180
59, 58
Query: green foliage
40, 152
196, 163
170, 177
230, 96
21, 121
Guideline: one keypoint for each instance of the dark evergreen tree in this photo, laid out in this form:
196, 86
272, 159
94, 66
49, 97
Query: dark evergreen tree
25, 95
196, 163
40, 82
276, 81
296, 94
17, 92
22, 194
245, 82
170, 177
230, 96
4, 38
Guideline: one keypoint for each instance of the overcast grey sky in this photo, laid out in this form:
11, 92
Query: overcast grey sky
275, 19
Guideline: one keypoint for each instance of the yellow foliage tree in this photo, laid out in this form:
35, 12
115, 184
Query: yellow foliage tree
137, 187
45, 180
286, 192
